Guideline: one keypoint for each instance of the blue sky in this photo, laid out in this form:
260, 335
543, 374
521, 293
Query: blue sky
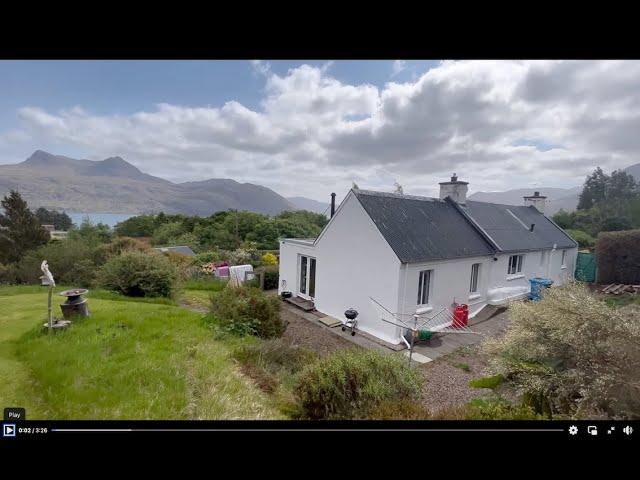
309, 127
125, 87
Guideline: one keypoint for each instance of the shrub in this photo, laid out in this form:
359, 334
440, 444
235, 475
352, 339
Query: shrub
207, 257
498, 410
183, 264
351, 384
119, 245
487, 382
271, 362
574, 352
71, 262
271, 278
583, 238
137, 274
269, 259
7, 274
401, 409
247, 311
618, 257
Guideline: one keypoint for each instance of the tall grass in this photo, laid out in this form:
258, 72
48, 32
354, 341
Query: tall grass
128, 360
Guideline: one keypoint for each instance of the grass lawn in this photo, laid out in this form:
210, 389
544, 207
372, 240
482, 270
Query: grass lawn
623, 300
146, 359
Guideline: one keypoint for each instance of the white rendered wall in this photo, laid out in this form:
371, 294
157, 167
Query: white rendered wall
288, 269
451, 279
355, 262
534, 266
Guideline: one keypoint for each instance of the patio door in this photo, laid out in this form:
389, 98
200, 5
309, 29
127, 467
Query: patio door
307, 282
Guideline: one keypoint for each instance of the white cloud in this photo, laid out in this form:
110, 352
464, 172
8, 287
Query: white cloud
261, 67
314, 134
397, 67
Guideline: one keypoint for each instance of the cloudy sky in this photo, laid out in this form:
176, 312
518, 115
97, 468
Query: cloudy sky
309, 128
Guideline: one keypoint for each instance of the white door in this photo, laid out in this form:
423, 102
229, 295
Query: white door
307, 277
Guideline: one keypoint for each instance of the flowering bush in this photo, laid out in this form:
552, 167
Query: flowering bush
208, 268
269, 259
572, 354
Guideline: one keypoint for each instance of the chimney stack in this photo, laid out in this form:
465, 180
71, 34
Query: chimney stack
333, 204
455, 189
537, 200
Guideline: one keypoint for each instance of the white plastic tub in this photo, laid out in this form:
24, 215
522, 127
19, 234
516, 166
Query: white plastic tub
503, 295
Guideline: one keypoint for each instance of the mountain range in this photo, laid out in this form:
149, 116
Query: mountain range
557, 198
115, 186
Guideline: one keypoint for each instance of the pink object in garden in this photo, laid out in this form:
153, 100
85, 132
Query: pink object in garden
222, 271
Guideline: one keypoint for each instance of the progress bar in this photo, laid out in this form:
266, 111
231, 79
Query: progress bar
308, 430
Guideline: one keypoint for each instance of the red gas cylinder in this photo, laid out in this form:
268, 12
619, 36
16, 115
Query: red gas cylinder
461, 316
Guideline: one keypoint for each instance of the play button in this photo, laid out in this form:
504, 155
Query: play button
9, 430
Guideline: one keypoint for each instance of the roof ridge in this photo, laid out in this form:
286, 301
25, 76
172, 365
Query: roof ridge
359, 191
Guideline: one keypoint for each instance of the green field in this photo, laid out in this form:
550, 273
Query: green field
148, 359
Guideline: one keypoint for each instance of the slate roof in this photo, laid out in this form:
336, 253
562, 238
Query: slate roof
178, 249
420, 229
508, 226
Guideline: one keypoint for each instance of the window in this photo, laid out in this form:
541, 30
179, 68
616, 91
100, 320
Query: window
475, 270
515, 264
424, 284
564, 257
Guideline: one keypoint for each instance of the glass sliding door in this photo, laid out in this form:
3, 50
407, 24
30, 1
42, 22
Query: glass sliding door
307, 284
303, 275
312, 277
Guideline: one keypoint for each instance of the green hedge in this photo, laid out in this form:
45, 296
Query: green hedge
618, 257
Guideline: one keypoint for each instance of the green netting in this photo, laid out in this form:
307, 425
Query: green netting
586, 267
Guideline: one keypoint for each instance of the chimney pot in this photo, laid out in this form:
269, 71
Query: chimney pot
537, 200
455, 189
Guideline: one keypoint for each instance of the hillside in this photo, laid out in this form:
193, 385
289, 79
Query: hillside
558, 198
634, 170
115, 186
309, 204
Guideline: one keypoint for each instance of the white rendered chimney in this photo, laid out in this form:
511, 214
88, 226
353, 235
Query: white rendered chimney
537, 200
455, 189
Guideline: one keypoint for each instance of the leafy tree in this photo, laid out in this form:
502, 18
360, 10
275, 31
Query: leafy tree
93, 235
594, 189
616, 224
167, 233
61, 221
20, 230
583, 238
139, 226
215, 236
620, 187
563, 219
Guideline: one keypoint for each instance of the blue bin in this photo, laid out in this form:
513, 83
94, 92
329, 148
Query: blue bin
537, 284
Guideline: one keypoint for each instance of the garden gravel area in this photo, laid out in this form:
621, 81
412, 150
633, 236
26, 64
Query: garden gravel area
447, 379
304, 333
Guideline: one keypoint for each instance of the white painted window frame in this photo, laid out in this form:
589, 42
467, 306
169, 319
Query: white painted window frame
519, 266
475, 285
429, 289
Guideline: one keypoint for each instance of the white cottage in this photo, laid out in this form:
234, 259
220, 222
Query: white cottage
408, 251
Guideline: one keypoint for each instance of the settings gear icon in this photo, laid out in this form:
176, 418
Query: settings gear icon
573, 430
